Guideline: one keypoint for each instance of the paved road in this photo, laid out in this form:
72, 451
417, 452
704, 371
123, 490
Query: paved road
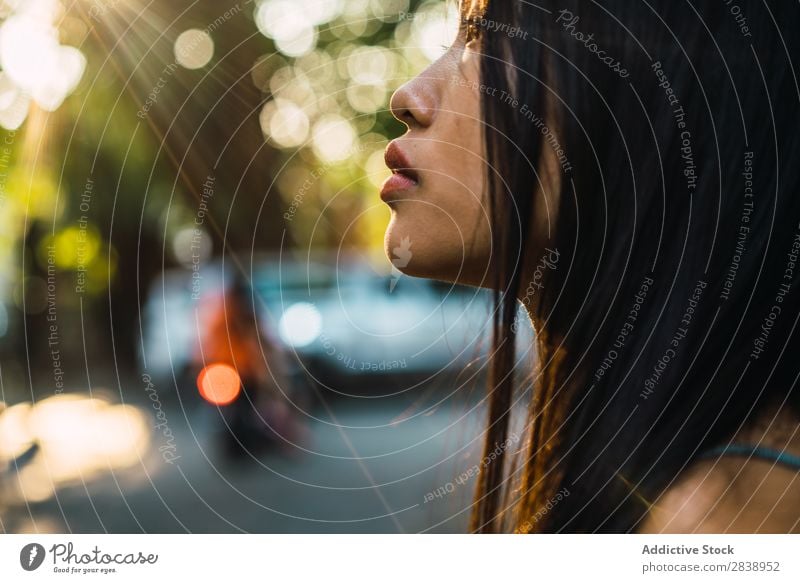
364, 468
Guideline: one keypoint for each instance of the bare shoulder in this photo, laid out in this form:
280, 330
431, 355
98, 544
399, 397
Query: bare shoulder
729, 495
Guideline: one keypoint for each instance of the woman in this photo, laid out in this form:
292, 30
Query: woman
629, 172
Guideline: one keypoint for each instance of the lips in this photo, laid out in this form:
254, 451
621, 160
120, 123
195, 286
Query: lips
403, 177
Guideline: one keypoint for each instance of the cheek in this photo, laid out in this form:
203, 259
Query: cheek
448, 225
443, 237
464, 123
464, 151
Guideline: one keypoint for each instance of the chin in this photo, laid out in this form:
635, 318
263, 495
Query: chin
432, 254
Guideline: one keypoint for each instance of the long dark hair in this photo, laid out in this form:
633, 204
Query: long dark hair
669, 322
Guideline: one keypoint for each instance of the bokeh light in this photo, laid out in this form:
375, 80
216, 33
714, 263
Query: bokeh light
219, 384
300, 324
194, 49
291, 23
334, 138
192, 246
72, 247
376, 169
33, 60
77, 437
386, 10
14, 104
424, 37
15, 433
285, 123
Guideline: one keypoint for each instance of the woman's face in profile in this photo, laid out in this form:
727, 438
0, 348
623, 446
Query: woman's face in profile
440, 215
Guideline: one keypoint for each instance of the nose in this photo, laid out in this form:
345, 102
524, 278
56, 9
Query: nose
414, 104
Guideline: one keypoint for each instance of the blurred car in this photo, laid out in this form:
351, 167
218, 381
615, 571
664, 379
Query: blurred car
337, 320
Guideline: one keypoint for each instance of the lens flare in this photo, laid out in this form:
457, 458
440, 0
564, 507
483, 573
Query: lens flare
219, 384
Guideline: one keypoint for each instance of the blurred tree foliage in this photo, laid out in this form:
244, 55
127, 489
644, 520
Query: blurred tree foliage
280, 134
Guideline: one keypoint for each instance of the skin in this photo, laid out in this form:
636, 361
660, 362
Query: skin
733, 494
446, 220
446, 216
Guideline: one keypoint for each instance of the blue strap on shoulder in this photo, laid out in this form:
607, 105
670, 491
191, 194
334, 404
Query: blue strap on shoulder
777, 456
